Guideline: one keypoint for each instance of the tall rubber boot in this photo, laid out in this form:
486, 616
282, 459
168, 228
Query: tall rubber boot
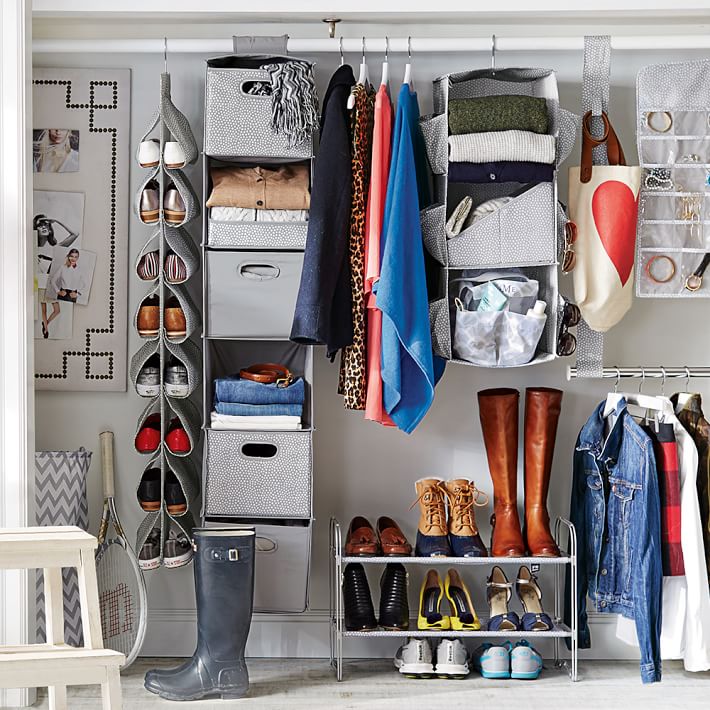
542, 412
498, 409
224, 589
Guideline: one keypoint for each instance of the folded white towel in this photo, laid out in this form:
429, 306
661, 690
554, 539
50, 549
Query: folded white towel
246, 423
243, 214
502, 146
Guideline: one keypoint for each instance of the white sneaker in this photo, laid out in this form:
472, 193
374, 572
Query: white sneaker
149, 153
414, 659
493, 661
451, 659
525, 662
173, 155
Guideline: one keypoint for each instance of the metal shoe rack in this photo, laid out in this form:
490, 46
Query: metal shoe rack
171, 122
560, 631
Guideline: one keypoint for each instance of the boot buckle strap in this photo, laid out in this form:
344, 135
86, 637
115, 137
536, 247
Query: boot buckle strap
233, 555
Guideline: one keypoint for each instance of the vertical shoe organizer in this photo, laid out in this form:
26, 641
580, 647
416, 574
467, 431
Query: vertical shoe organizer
520, 235
173, 406
252, 271
673, 235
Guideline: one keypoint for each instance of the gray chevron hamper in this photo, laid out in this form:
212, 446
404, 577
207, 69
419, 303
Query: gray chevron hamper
60, 499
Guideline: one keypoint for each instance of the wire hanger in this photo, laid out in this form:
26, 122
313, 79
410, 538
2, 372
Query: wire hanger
363, 79
385, 65
408, 65
340, 47
618, 379
493, 55
165, 55
663, 381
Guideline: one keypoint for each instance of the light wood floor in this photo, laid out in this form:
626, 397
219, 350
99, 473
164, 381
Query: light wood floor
291, 684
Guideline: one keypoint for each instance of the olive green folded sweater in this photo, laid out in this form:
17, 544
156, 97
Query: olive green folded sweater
498, 113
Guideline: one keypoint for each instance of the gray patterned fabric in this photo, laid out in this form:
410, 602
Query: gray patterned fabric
263, 235
186, 474
240, 484
191, 311
176, 122
60, 499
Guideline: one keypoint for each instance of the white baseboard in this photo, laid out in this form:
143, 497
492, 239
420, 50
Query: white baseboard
173, 633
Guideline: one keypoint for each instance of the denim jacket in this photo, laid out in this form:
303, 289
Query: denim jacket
615, 508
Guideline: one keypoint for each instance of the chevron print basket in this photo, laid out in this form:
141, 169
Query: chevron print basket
60, 499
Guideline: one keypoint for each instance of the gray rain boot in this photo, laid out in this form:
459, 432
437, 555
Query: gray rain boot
224, 588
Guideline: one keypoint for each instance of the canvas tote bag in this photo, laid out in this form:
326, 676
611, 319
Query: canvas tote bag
603, 203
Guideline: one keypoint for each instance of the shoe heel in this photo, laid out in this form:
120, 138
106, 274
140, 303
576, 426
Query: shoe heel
233, 696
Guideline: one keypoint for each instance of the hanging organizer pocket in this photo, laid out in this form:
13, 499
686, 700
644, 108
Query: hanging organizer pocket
252, 294
184, 302
189, 355
184, 415
674, 211
188, 478
258, 474
245, 129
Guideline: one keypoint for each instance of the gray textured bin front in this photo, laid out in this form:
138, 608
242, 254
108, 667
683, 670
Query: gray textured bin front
251, 294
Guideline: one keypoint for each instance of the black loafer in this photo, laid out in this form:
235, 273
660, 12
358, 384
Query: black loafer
149, 490
359, 612
174, 495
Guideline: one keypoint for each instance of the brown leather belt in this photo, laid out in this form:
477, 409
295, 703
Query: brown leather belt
267, 373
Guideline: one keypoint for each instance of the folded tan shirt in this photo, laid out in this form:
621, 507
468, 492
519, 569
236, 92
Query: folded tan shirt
283, 187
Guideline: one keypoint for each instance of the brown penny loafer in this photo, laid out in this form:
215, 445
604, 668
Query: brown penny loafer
392, 539
361, 540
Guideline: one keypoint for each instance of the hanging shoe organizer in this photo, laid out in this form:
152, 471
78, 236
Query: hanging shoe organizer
519, 238
252, 270
168, 259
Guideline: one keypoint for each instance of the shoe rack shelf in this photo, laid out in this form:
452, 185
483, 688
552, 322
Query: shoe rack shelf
168, 235
557, 565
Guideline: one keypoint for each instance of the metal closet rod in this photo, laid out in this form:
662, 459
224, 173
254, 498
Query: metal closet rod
419, 45
644, 372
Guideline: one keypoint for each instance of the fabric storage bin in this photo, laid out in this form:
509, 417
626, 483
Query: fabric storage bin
263, 474
282, 565
251, 294
244, 129
521, 232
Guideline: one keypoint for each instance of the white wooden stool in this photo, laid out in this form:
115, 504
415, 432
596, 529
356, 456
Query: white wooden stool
54, 664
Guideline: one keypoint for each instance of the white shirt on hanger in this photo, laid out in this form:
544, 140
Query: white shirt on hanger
685, 626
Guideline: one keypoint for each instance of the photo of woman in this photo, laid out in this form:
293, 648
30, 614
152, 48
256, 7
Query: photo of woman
68, 280
55, 150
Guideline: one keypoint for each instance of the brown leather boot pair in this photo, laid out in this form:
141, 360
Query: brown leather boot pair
498, 409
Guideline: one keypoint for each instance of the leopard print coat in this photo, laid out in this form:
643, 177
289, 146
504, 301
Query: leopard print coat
352, 362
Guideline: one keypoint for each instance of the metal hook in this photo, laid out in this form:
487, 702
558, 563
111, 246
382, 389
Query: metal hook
493, 54
687, 378
663, 383
409, 49
363, 50
643, 378
387, 48
340, 47
618, 379
165, 54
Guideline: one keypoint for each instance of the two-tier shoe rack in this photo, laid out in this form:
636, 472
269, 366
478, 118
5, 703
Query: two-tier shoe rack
558, 633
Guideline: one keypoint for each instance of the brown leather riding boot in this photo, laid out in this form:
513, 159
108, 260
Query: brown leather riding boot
542, 411
498, 409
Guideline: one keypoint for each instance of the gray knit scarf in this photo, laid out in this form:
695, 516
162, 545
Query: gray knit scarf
294, 101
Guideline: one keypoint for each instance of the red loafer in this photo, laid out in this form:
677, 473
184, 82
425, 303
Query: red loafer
148, 438
177, 440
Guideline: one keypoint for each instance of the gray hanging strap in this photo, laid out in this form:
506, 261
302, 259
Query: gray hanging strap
595, 98
268, 45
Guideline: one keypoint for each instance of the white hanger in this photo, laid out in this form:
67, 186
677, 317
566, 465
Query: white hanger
363, 79
636, 399
683, 397
386, 65
408, 65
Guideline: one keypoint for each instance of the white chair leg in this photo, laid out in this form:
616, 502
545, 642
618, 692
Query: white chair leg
89, 593
57, 697
54, 605
111, 690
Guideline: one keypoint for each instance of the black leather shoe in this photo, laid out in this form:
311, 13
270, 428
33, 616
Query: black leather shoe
394, 606
174, 496
359, 612
149, 490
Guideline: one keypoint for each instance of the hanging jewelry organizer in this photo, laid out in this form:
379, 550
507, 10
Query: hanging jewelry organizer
168, 260
519, 237
673, 239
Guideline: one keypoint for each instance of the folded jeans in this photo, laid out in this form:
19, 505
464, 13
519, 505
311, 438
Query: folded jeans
236, 390
235, 409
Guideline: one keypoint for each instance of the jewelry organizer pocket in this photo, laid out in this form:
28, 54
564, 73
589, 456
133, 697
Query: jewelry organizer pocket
673, 235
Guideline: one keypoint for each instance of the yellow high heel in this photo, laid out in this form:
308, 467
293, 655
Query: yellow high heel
430, 597
463, 615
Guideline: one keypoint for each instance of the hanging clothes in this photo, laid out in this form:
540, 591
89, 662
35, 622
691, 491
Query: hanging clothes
685, 630
615, 508
381, 154
407, 359
689, 409
352, 363
323, 312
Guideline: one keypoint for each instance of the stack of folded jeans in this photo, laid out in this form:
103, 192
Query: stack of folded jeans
247, 405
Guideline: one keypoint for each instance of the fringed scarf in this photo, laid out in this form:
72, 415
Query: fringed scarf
294, 101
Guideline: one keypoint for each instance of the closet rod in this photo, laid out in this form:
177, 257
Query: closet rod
651, 373
420, 45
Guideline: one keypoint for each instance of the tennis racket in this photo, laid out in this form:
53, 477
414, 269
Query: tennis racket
122, 592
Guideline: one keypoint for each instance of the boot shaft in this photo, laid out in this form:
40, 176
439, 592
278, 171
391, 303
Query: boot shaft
432, 506
542, 413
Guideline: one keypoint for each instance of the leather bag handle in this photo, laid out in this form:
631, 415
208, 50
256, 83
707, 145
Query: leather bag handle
615, 152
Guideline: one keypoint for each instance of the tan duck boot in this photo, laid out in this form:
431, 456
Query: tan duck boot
463, 532
432, 533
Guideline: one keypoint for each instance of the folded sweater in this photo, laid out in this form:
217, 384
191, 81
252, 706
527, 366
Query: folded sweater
498, 113
502, 146
246, 214
223, 421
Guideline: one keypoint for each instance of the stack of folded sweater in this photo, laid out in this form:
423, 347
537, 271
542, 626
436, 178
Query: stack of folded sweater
253, 193
248, 405
500, 139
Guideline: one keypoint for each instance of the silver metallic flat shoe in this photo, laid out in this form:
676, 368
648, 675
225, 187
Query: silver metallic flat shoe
150, 202
173, 205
